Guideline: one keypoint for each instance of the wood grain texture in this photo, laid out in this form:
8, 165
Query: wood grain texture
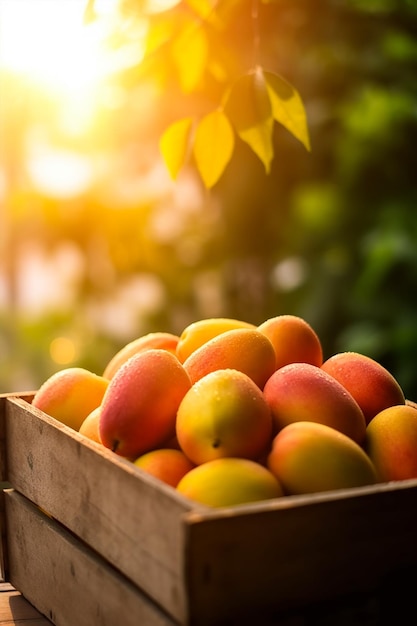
290, 555
66, 581
127, 516
295, 560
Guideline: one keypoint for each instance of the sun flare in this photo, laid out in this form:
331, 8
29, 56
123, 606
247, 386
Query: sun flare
47, 42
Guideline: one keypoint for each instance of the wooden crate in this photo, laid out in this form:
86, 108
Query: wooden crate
91, 539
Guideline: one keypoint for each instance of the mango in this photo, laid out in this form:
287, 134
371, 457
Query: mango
303, 392
90, 426
308, 457
158, 340
70, 394
228, 482
372, 385
224, 414
139, 408
198, 333
243, 349
167, 464
391, 442
294, 340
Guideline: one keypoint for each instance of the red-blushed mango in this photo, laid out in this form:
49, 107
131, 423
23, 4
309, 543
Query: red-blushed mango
224, 414
158, 340
307, 457
139, 408
90, 426
391, 442
300, 392
372, 385
243, 349
294, 340
198, 333
229, 482
167, 464
70, 395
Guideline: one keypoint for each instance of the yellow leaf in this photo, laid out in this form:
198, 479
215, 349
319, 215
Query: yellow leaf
174, 145
206, 10
190, 52
213, 146
249, 109
202, 8
287, 107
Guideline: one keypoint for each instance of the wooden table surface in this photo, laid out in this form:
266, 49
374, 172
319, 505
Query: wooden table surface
15, 610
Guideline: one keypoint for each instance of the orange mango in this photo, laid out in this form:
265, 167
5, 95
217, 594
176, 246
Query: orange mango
391, 442
198, 333
167, 464
139, 408
308, 457
228, 482
294, 340
90, 426
372, 385
70, 395
303, 392
243, 349
158, 340
224, 414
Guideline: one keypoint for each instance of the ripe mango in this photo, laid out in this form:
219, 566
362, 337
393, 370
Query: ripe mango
391, 442
167, 464
139, 408
243, 349
90, 426
158, 340
372, 385
307, 457
70, 394
224, 414
294, 340
196, 334
303, 392
228, 482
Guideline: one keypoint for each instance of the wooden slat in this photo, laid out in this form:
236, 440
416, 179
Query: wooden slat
28, 396
130, 518
300, 552
65, 580
2, 483
211, 566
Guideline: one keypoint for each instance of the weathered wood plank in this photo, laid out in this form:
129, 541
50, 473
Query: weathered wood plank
65, 580
301, 552
290, 557
130, 518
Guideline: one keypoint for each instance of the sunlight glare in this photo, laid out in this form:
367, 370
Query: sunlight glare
47, 42
60, 173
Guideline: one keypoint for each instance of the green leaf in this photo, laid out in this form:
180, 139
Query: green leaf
190, 53
213, 146
174, 145
249, 109
287, 107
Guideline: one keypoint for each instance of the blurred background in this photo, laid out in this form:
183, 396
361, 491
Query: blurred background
98, 245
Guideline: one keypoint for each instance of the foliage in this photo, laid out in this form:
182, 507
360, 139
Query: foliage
191, 39
328, 234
